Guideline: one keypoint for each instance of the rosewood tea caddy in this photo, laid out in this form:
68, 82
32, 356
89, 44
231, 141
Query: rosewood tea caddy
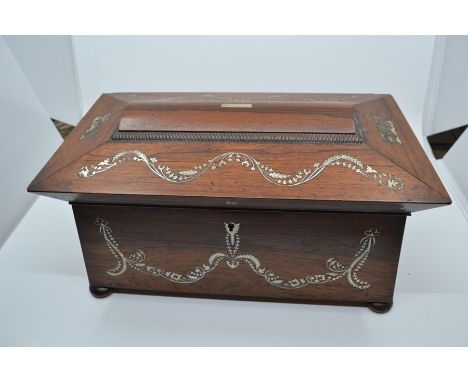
280, 197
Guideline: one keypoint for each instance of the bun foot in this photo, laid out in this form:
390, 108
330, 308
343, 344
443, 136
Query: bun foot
380, 307
100, 292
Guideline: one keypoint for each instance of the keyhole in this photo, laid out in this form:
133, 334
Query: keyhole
231, 226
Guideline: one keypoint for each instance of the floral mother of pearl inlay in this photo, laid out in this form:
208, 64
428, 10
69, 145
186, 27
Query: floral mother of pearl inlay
387, 130
335, 269
247, 161
95, 126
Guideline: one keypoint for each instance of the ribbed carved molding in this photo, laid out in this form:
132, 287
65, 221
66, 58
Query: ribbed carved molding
236, 137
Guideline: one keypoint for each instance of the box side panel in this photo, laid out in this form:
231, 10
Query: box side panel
305, 256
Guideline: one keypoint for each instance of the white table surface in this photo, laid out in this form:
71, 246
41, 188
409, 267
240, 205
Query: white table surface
44, 297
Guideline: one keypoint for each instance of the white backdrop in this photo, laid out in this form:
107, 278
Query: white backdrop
50, 304
398, 65
27, 140
449, 84
48, 63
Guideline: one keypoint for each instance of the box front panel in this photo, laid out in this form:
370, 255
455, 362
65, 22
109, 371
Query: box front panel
336, 257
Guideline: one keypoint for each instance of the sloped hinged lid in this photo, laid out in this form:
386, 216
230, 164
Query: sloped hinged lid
337, 152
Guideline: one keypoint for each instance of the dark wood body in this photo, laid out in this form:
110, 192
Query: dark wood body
291, 244
309, 178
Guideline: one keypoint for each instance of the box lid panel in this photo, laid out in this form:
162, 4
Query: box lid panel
89, 134
387, 132
258, 171
284, 151
238, 117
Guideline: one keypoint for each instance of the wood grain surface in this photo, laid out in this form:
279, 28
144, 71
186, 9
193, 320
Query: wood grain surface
264, 196
231, 120
338, 186
290, 244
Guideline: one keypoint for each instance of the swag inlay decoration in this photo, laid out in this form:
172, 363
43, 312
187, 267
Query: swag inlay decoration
300, 177
335, 269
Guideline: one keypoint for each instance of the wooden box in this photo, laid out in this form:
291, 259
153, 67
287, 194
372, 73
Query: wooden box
282, 197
